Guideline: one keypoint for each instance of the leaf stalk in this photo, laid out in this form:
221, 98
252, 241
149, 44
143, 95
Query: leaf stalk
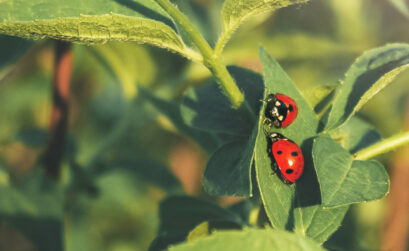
383, 146
210, 60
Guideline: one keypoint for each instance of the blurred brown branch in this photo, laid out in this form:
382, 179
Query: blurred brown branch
59, 113
396, 222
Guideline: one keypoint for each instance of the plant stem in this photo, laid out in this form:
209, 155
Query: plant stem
383, 146
210, 60
59, 113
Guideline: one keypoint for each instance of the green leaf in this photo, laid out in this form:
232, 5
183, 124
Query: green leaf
234, 12
199, 231
130, 63
356, 134
181, 214
207, 108
35, 210
401, 6
228, 172
98, 29
23, 11
344, 180
320, 97
250, 239
92, 21
296, 207
370, 73
209, 141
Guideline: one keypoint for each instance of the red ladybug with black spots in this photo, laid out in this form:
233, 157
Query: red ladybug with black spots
286, 156
281, 110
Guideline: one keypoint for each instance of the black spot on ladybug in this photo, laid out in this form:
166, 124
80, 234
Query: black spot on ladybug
290, 107
279, 152
289, 171
295, 154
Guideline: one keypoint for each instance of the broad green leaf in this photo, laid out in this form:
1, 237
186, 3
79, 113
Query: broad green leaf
92, 21
234, 12
130, 63
181, 214
209, 141
23, 11
98, 29
401, 6
316, 222
207, 108
35, 210
206, 228
320, 97
370, 73
250, 239
355, 135
199, 231
228, 172
296, 207
344, 180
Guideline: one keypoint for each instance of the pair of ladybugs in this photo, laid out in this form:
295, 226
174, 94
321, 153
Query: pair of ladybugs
286, 156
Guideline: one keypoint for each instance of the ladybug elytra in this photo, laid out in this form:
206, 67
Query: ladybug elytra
286, 156
281, 110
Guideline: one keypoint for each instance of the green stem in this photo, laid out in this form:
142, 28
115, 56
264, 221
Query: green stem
210, 60
383, 146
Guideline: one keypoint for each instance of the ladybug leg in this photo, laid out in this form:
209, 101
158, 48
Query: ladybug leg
274, 168
273, 137
287, 182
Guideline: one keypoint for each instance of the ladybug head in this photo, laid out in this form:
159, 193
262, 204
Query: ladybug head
281, 110
289, 110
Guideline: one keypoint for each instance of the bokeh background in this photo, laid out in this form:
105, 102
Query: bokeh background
142, 157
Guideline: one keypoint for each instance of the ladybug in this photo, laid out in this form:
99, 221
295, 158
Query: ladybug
286, 156
281, 110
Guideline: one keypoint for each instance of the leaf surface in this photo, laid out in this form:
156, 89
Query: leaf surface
93, 21
296, 207
181, 214
207, 108
370, 73
344, 180
228, 172
250, 239
234, 12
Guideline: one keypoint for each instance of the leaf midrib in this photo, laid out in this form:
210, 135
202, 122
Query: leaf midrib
342, 180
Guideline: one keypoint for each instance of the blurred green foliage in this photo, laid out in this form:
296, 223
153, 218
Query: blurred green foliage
125, 125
